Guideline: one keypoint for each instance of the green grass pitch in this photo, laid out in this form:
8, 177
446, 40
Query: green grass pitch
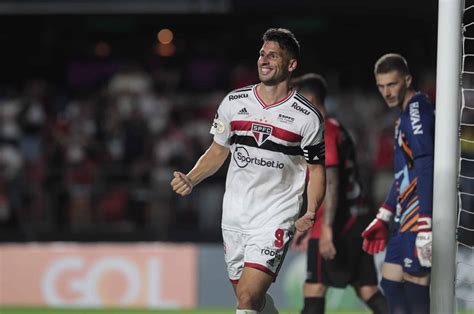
21, 310
26, 310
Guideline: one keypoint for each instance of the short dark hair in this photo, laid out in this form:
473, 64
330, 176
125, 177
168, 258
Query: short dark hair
313, 83
286, 39
391, 62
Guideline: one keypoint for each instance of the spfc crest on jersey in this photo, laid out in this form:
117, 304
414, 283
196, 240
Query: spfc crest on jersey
261, 132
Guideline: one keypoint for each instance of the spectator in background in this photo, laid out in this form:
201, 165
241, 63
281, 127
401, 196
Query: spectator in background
407, 266
274, 135
334, 246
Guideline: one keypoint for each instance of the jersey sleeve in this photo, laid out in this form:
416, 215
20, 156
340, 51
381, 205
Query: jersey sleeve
392, 198
421, 142
420, 135
221, 128
312, 143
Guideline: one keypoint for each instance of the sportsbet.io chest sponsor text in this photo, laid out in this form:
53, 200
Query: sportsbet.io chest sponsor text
242, 159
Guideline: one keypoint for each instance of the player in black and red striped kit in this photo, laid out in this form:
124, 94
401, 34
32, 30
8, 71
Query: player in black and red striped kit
334, 245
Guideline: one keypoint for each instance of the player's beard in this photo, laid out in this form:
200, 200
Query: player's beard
275, 79
393, 102
398, 100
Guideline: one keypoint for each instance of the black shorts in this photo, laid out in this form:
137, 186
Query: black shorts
351, 266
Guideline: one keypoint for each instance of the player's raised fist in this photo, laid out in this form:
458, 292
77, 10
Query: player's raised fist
181, 183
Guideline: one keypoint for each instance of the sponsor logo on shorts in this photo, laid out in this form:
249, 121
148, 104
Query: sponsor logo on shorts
276, 256
269, 252
407, 261
238, 96
242, 159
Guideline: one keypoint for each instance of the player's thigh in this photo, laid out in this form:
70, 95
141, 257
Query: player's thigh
392, 268
419, 279
254, 282
392, 272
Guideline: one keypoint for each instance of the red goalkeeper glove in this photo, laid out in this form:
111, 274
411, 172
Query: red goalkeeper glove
376, 234
424, 240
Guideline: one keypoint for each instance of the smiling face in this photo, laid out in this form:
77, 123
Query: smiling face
393, 87
274, 65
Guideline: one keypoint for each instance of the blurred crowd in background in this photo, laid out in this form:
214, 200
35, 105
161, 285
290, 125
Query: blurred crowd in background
89, 137
97, 165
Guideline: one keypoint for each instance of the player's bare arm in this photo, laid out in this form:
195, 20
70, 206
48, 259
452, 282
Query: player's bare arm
316, 191
206, 166
326, 244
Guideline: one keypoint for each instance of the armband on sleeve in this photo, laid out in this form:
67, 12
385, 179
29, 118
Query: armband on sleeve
314, 154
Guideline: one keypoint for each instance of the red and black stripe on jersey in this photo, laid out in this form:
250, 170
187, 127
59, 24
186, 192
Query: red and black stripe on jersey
313, 154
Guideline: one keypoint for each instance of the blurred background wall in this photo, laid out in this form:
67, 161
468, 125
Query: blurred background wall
138, 275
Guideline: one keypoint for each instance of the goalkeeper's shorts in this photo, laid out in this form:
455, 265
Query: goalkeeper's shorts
261, 249
401, 250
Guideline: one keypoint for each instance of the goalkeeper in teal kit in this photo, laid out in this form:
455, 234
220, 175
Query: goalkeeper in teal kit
403, 223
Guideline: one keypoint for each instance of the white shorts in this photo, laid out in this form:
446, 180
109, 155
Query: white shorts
262, 249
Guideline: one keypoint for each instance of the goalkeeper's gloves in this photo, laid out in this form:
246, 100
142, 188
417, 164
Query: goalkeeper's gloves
376, 234
424, 241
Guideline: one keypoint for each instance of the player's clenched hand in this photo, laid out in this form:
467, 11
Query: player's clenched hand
375, 236
300, 241
181, 183
326, 245
305, 222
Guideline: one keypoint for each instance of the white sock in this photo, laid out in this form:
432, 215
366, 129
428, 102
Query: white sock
246, 312
269, 307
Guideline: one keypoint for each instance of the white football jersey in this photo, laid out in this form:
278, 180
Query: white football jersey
270, 146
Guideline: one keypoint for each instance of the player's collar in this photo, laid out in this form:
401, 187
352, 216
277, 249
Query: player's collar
291, 92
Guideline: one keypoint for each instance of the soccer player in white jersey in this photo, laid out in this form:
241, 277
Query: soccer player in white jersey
275, 137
